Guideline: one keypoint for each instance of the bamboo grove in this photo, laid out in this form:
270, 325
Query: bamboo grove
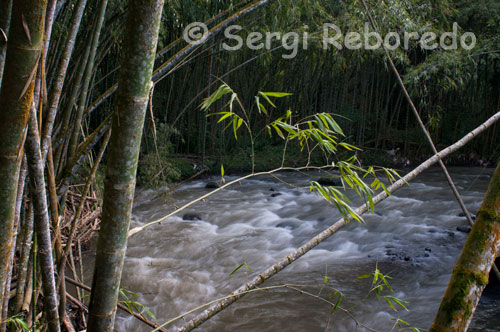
63, 73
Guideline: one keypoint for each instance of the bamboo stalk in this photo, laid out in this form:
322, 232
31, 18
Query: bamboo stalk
16, 97
60, 76
23, 262
128, 120
73, 141
17, 227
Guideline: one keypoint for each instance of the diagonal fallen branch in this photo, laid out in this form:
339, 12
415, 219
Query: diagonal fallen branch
289, 259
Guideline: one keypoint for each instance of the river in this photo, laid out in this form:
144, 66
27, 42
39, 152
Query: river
412, 236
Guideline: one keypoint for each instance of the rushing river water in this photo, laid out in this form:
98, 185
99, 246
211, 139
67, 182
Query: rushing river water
181, 264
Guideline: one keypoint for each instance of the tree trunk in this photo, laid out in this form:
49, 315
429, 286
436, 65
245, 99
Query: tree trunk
16, 97
470, 275
140, 43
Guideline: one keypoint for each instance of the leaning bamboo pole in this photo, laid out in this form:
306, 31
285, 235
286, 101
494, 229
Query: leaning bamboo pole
134, 87
312, 243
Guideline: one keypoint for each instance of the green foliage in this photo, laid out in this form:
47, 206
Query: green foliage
157, 166
158, 169
379, 281
242, 265
127, 298
17, 323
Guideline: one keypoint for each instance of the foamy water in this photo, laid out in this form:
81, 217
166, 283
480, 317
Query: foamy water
182, 264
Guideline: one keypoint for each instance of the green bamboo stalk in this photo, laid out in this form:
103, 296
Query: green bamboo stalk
5, 16
470, 275
42, 224
134, 85
16, 97
60, 76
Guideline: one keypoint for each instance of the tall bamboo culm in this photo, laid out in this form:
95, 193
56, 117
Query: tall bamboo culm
16, 97
134, 85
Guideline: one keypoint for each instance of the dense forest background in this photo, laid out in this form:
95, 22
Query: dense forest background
454, 90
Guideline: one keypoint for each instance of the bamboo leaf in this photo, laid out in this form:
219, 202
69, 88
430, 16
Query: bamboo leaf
267, 99
276, 94
235, 127
337, 304
225, 116
390, 303
398, 301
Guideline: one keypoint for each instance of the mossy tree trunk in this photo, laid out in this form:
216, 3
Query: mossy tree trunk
470, 275
132, 98
16, 96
